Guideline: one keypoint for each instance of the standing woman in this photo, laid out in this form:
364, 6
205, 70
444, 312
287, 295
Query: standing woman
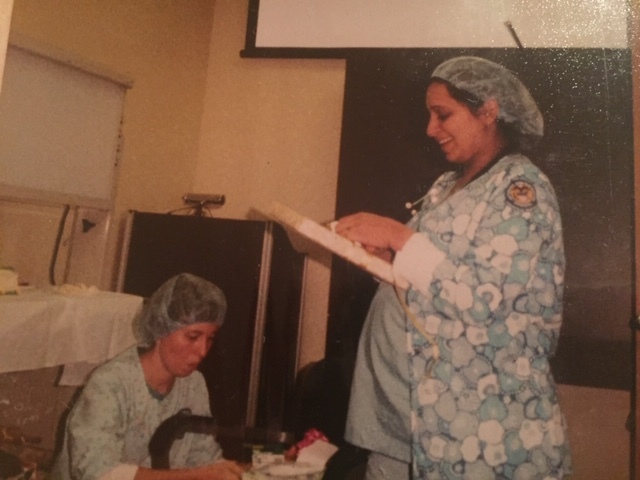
484, 260
108, 430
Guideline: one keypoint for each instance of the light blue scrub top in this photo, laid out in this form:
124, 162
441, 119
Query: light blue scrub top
116, 415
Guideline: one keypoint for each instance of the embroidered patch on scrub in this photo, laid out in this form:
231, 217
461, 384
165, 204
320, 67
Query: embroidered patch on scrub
521, 193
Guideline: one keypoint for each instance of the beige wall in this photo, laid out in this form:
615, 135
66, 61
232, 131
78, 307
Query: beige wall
164, 48
271, 131
600, 442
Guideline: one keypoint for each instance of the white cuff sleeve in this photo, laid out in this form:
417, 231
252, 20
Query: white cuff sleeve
417, 261
121, 472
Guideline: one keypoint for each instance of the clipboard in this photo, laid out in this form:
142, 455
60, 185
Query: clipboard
335, 243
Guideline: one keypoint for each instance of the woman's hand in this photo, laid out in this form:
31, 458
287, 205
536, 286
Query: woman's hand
224, 470
378, 235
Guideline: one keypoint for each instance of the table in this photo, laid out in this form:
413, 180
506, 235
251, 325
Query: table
45, 328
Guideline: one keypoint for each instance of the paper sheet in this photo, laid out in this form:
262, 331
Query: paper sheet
335, 243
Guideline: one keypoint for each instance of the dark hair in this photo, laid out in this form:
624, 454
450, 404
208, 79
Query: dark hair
516, 141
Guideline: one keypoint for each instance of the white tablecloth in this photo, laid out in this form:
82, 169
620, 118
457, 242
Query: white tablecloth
41, 329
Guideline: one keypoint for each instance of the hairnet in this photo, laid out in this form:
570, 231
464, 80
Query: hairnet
485, 79
180, 301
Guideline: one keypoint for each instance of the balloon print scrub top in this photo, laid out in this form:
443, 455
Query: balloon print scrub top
484, 309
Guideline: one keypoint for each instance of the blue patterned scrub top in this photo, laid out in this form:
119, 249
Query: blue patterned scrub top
116, 415
483, 321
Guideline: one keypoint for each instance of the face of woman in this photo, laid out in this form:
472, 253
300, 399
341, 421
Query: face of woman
464, 137
182, 351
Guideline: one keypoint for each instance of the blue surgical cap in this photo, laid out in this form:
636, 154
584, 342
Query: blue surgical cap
180, 301
485, 79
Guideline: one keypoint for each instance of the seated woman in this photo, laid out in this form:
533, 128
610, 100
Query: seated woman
109, 428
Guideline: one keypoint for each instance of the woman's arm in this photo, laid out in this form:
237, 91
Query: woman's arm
223, 470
